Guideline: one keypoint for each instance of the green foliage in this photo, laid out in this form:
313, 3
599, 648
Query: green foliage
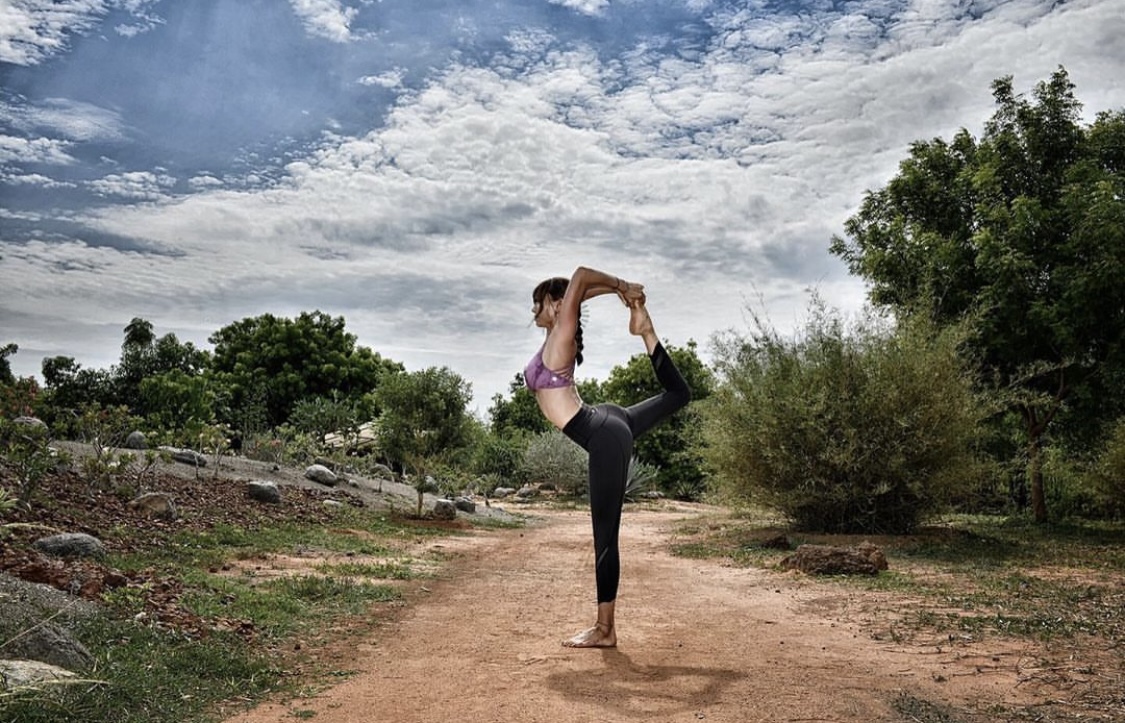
1024, 233
277, 362
19, 397
554, 459
320, 416
145, 357
67, 388
673, 447
105, 430
861, 430
25, 450
641, 478
1108, 473
423, 419
6, 376
518, 415
497, 455
177, 404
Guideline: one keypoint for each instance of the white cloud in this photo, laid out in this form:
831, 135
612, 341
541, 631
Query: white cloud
34, 150
586, 7
327, 19
33, 179
32, 30
712, 176
388, 79
138, 185
200, 183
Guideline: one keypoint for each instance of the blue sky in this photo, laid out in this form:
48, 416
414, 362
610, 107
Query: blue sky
418, 166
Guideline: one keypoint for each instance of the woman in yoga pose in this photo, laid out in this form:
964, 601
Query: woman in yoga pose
605, 431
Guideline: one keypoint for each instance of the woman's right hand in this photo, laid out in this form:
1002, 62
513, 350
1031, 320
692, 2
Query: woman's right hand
631, 293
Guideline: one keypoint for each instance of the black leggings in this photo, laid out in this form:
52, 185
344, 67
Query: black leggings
607, 432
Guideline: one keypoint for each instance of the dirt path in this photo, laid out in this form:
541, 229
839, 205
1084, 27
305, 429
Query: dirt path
697, 641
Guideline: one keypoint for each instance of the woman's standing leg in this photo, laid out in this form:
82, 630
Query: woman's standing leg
610, 449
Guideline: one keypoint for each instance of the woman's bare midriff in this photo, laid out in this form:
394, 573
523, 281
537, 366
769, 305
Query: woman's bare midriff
559, 405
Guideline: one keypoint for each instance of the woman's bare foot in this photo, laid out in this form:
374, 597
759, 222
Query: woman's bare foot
640, 323
599, 636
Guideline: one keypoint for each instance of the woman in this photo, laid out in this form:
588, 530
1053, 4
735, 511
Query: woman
605, 431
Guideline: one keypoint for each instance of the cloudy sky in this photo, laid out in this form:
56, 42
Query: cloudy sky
416, 166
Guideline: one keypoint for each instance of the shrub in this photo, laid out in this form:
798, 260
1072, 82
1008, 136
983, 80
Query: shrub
552, 458
866, 429
1108, 474
25, 450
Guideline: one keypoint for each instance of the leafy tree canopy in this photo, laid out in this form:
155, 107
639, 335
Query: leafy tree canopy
1023, 232
278, 362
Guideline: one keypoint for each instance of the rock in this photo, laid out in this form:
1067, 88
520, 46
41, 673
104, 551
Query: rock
186, 456
263, 491
70, 544
136, 440
526, 492
445, 510
830, 560
35, 622
156, 504
30, 422
333, 503
465, 504
51, 644
383, 471
502, 492
321, 475
16, 674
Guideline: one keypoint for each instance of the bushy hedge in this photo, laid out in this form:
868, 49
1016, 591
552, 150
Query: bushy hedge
867, 427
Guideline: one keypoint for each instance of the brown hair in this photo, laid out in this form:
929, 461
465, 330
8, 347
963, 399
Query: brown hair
555, 288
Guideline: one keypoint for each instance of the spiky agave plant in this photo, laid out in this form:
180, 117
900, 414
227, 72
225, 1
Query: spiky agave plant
640, 479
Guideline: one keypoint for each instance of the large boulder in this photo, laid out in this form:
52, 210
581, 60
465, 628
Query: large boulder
36, 622
263, 491
70, 544
136, 440
321, 475
445, 510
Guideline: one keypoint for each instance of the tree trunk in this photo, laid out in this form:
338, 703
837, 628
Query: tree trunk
1035, 474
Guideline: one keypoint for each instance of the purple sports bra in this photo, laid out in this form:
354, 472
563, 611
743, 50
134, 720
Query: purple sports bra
537, 376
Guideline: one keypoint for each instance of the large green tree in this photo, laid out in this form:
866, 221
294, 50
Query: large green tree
277, 362
1022, 231
144, 356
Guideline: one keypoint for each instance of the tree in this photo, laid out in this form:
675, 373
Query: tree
143, 357
67, 388
6, 351
518, 414
278, 362
1023, 233
673, 447
423, 420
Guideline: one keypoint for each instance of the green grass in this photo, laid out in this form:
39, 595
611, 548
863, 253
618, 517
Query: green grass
154, 674
149, 675
378, 570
